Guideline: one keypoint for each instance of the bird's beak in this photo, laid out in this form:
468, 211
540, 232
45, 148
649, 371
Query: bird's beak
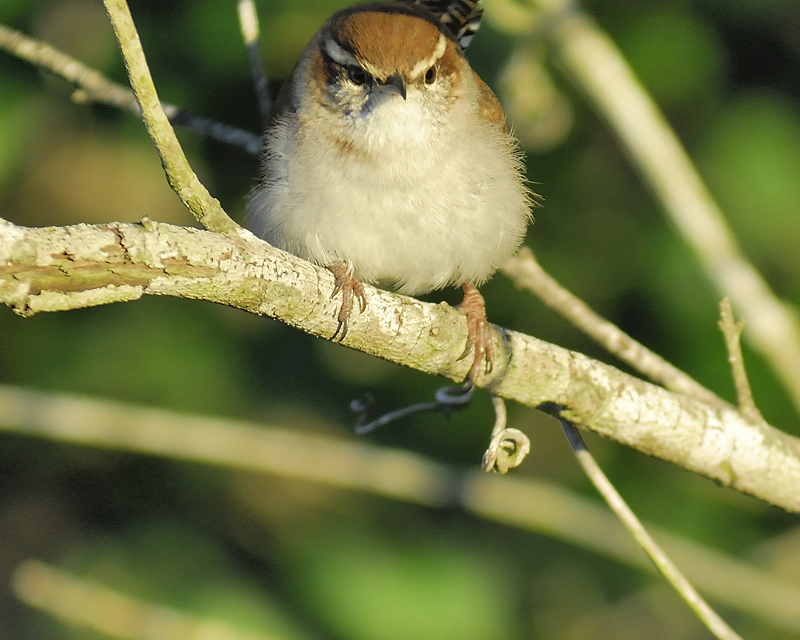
394, 84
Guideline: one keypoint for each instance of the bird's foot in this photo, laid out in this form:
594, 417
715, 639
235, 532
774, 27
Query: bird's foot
345, 282
479, 337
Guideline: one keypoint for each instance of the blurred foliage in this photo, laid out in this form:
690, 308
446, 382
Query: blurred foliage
302, 561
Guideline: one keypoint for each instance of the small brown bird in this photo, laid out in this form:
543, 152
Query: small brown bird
387, 160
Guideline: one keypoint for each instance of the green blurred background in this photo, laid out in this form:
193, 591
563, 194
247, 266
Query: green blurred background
299, 560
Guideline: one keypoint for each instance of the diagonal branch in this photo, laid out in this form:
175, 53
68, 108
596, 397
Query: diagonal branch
92, 86
55, 269
195, 197
592, 59
732, 332
528, 274
663, 562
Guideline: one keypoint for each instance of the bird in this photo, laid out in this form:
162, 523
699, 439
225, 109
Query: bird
387, 159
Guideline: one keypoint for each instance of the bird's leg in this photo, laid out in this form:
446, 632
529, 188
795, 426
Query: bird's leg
345, 282
479, 337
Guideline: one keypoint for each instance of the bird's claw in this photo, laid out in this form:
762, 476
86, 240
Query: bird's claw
479, 336
348, 285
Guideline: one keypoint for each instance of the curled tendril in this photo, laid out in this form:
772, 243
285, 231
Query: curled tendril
508, 447
448, 400
506, 451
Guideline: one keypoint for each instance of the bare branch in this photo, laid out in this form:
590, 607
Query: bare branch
248, 22
628, 518
56, 269
528, 274
597, 66
92, 86
732, 331
180, 176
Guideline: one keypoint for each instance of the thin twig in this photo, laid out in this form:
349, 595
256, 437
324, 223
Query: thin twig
732, 331
92, 86
528, 274
180, 176
248, 21
593, 60
507, 447
707, 615
219, 131
448, 400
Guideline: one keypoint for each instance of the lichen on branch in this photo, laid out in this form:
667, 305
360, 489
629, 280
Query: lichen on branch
55, 269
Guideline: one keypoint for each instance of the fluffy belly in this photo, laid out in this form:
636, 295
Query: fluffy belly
413, 240
411, 221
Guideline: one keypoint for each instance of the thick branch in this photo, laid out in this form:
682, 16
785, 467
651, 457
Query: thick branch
86, 265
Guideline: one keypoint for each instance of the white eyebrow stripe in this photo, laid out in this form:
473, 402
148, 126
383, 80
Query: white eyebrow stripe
339, 55
424, 65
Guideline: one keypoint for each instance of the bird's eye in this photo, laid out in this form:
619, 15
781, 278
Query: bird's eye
430, 75
357, 75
